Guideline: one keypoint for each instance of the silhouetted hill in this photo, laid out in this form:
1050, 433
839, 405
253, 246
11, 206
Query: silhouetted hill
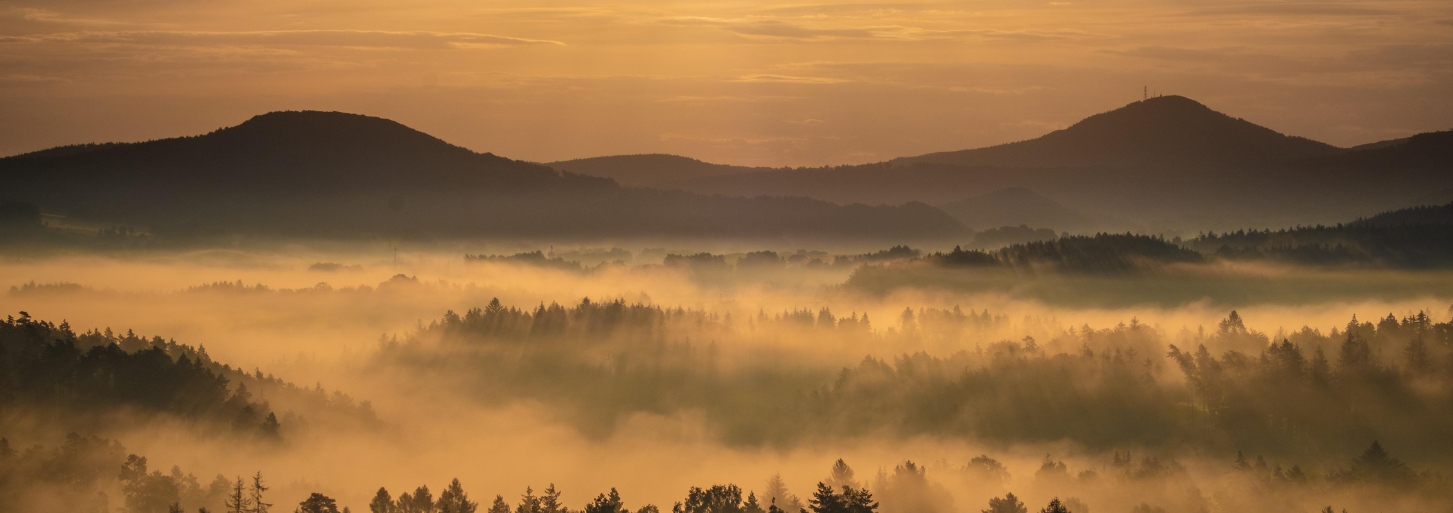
1419, 237
1424, 215
651, 170
1161, 164
1163, 131
1426, 155
279, 153
1012, 207
335, 174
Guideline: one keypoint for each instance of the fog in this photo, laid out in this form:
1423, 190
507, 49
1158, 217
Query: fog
656, 378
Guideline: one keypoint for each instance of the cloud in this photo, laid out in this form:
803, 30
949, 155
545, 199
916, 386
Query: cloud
32, 14
790, 79
1291, 9
844, 8
783, 30
1417, 58
770, 29
1008, 36
292, 38
778, 30
730, 98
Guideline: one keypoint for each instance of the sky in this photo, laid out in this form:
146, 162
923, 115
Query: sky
742, 82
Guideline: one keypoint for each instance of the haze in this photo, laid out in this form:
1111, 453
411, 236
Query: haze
511, 256
750, 83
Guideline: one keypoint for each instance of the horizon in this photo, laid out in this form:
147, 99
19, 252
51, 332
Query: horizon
824, 165
741, 256
756, 84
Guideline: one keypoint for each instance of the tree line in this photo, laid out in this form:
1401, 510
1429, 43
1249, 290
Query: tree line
1103, 388
74, 477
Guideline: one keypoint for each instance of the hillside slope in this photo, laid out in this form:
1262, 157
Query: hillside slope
651, 170
1163, 131
335, 174
1161, 164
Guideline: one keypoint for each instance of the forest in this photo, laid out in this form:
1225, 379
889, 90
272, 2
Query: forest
1008, 370
1137, 412
704, 256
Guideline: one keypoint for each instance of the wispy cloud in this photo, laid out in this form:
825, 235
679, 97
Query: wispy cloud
333, 38
1292, 9
790, 79
730, 98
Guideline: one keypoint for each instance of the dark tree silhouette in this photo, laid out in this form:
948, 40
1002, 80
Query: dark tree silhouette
454, 500
1055, 507
237, 500
1006, 504
382, 502
257, 489
318, 503
606, 503
717, 499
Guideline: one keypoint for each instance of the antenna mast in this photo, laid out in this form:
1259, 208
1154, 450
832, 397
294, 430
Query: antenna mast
1144, 93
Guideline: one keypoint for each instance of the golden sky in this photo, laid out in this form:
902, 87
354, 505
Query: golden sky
743, 82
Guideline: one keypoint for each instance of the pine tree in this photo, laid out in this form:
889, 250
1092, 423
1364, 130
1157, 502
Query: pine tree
454, 500
1008, 504
1055, 507
529, 503
550, 502
318, 503
841, 476
825, 500
778, 495
237, 501
382, 502
752, 506
499, 505
257, 488
423, 500
604, 503
858, 500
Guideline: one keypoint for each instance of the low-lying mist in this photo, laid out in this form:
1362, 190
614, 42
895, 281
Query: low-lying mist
397, 372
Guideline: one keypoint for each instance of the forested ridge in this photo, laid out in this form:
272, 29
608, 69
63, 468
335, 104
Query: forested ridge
1108, 390
1101, 388
85, 378
330, 174
1414, 238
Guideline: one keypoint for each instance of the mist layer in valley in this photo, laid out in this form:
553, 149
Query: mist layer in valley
340, 369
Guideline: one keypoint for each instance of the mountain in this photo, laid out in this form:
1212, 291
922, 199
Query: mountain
1161, 131
1015, 206
336, 174
651, 170
1162, 164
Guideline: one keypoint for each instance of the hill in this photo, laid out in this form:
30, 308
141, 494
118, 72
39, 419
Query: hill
1163, 164
1424, 215
336, 174
1162, 131
651, 170
1411, 238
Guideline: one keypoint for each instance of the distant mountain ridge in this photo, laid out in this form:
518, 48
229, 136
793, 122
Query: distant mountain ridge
337, 174
1165, 163
648, 170
297, 149
1169, 130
